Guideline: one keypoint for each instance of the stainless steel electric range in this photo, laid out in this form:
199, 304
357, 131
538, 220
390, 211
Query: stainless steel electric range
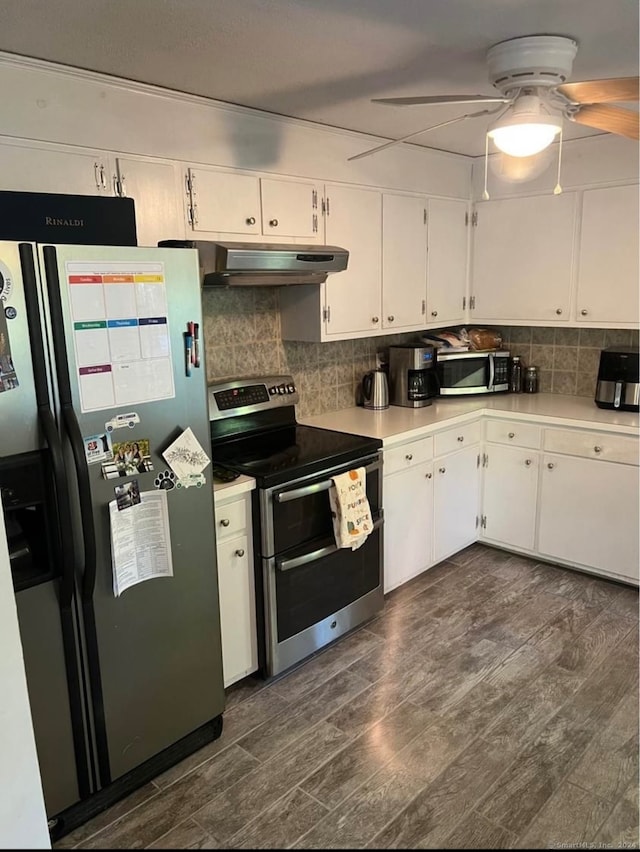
308, 591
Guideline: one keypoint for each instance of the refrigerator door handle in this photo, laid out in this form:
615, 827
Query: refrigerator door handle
48, 423
71, 423
72, 427
67, 554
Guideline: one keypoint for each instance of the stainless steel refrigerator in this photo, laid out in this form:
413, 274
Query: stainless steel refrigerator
97, 357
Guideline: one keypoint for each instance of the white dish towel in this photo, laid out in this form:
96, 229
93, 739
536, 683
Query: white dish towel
352, 521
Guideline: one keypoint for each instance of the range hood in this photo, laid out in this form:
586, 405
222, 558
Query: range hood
250, 264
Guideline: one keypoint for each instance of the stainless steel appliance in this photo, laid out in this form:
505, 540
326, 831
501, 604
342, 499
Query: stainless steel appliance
412, 377
472, 372
618, 384
251, 264
375, 390
92, 354
309, 591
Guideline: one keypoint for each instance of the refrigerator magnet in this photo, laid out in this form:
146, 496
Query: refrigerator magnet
98, 448
127, 494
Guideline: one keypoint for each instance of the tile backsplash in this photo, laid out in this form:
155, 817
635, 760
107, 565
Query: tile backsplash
242, 338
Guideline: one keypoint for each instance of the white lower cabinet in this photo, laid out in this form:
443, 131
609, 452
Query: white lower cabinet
455, 501
510, 494
408, 507
589, 514
236, 587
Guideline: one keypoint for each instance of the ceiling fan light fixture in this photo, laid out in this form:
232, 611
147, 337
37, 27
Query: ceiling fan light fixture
525, 129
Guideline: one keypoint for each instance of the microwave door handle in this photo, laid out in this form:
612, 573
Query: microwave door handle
492, 371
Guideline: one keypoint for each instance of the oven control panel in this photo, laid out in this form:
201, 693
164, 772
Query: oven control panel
250, 394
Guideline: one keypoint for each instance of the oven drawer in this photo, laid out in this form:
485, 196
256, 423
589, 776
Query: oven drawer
231, 518
311, 585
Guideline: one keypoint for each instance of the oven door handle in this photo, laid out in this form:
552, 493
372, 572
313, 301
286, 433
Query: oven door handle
305, 491
314, 555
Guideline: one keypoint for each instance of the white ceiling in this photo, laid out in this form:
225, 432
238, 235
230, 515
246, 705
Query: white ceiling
323, 60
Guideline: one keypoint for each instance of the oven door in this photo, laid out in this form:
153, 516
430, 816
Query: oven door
299, 512
318, 592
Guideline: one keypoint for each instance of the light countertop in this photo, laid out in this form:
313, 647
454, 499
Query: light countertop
397, 424
226, 490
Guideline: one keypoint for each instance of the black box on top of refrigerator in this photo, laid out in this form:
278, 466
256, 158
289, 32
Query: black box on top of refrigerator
47, 217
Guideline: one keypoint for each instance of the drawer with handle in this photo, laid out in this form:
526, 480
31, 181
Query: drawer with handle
231, 518
595, 445
408, 455
515, 433
458, 438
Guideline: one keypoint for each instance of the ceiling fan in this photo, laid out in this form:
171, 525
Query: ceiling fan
530, 74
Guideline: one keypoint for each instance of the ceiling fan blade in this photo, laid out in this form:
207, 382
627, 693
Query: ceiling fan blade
442, 99
624, 122
418, 133
601, 91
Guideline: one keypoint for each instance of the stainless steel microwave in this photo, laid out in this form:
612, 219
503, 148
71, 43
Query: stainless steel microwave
472, 372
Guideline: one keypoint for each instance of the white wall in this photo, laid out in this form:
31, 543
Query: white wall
591, 162
47, 102
23, 822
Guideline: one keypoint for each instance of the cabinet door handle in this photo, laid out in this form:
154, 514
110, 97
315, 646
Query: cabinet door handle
550, 465
96, 174
558, 311
512, 434
528, 462
375, 319
391, 318
584, 312
428, 475
597, 449
442, 469
273, 223
224, 522
239, 552
461, 438
409, 456
434, 313
251, 220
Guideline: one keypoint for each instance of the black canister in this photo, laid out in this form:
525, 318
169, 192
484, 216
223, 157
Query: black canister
530, 381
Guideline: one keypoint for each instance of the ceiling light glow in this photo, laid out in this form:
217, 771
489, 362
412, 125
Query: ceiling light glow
525, 129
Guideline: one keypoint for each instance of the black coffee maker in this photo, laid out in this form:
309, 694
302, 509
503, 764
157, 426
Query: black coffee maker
618, 379
412, 377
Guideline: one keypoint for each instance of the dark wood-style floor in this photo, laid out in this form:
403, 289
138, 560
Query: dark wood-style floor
493, 704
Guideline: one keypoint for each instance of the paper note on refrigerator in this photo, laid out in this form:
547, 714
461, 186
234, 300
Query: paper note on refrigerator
140, 541
121, 333
186, 456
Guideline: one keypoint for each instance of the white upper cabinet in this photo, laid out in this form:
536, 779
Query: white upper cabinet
353, 297
404, 261
608, 260
239, 204
447, 261
26, 168
224, 202
523, 259
291, 208
153, 185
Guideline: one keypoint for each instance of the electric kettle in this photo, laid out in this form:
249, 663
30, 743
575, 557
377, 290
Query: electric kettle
375, 390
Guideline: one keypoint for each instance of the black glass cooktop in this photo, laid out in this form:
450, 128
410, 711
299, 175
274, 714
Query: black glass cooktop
286, 453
